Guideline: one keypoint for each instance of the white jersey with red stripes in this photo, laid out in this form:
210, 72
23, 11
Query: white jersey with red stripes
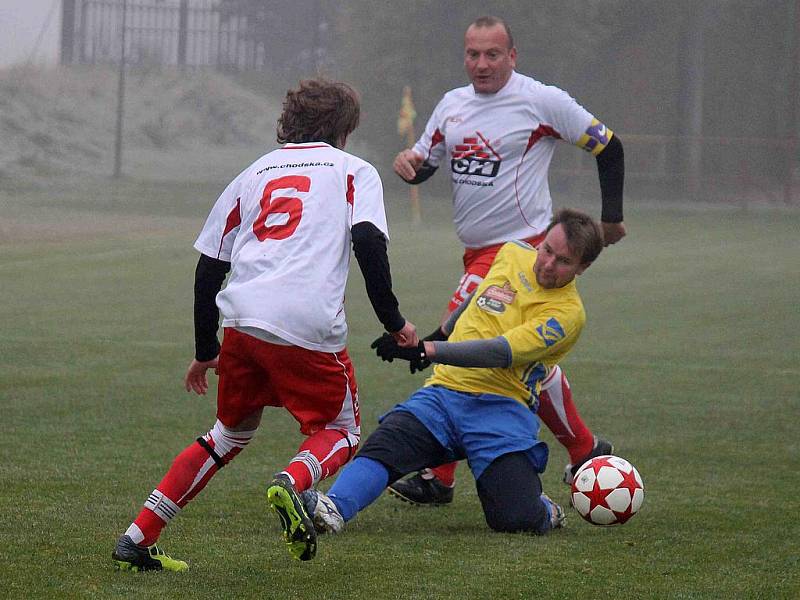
498, 149
284, 225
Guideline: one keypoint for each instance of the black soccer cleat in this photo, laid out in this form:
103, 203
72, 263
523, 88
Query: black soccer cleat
129, 556
601, 448
420, 491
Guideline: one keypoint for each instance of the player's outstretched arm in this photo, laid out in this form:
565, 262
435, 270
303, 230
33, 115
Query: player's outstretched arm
611, 171
491, 353
195, 379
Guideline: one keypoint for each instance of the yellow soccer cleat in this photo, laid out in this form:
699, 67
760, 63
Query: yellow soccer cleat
298, 530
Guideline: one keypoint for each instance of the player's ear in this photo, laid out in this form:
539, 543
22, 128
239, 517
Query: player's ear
582, 268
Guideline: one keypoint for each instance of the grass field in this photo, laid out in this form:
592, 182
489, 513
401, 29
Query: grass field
689, 362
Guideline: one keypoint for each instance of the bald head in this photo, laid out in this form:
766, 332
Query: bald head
491, 21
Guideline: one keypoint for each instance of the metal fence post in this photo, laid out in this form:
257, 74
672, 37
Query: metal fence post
794, 89
120, 99
183, 24
67, 31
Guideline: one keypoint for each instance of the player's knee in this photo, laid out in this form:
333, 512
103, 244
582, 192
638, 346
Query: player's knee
223, 443
529, 521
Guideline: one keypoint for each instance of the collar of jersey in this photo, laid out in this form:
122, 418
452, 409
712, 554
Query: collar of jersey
305, 145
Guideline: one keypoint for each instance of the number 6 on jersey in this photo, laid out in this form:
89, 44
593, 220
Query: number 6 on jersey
291, 206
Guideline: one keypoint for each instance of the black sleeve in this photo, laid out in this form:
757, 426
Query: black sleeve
425, 171
437, 335
208, 278
450, 324
611, 170
369, 246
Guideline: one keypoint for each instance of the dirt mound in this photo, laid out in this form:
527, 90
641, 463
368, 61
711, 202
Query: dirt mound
64, 119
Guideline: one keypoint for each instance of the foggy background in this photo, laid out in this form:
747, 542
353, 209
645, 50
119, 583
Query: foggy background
688, 360
29, 31
702, 93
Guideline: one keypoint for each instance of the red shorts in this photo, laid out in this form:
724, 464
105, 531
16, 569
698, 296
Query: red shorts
317, 388
477, 262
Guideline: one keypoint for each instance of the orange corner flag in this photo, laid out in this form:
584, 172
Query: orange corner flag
405, 127
405, 120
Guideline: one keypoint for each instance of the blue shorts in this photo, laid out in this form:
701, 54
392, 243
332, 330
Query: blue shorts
478, 427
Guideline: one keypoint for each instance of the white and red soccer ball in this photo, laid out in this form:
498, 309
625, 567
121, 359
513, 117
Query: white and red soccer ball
607, 490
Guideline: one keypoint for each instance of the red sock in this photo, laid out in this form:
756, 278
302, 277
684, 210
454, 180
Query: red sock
150, 525
191, 470
446, 474
321, 455
558, 412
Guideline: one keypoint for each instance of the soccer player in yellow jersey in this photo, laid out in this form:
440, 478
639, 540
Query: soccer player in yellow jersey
481, 401
495, 138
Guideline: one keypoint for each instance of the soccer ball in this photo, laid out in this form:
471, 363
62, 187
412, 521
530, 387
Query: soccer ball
607, 490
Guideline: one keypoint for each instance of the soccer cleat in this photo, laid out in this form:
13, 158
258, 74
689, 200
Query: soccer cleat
130, 556
554, 512
420, 491
601, 448
323, 512
298, 529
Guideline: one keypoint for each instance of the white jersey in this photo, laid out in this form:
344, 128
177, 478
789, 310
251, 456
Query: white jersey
284, 225
499, 147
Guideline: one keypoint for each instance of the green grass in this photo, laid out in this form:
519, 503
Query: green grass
688, 362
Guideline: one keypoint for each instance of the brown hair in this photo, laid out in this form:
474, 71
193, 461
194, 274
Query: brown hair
584, 235
490, 21
319, 110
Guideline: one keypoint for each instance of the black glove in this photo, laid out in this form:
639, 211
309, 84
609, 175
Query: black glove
387, 348
424, 363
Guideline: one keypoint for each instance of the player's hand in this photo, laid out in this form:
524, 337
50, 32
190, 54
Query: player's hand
437, 336
407, 336
195, 379
387, 349
407, 163
613, 232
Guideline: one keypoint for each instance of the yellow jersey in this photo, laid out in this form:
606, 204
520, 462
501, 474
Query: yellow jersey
541, 327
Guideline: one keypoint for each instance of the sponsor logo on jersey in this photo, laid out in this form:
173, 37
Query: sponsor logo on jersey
494, 298
551, 332
296, 165
465, 181
475, 157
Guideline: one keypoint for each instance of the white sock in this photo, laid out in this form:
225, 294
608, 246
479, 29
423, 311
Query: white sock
135, 533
